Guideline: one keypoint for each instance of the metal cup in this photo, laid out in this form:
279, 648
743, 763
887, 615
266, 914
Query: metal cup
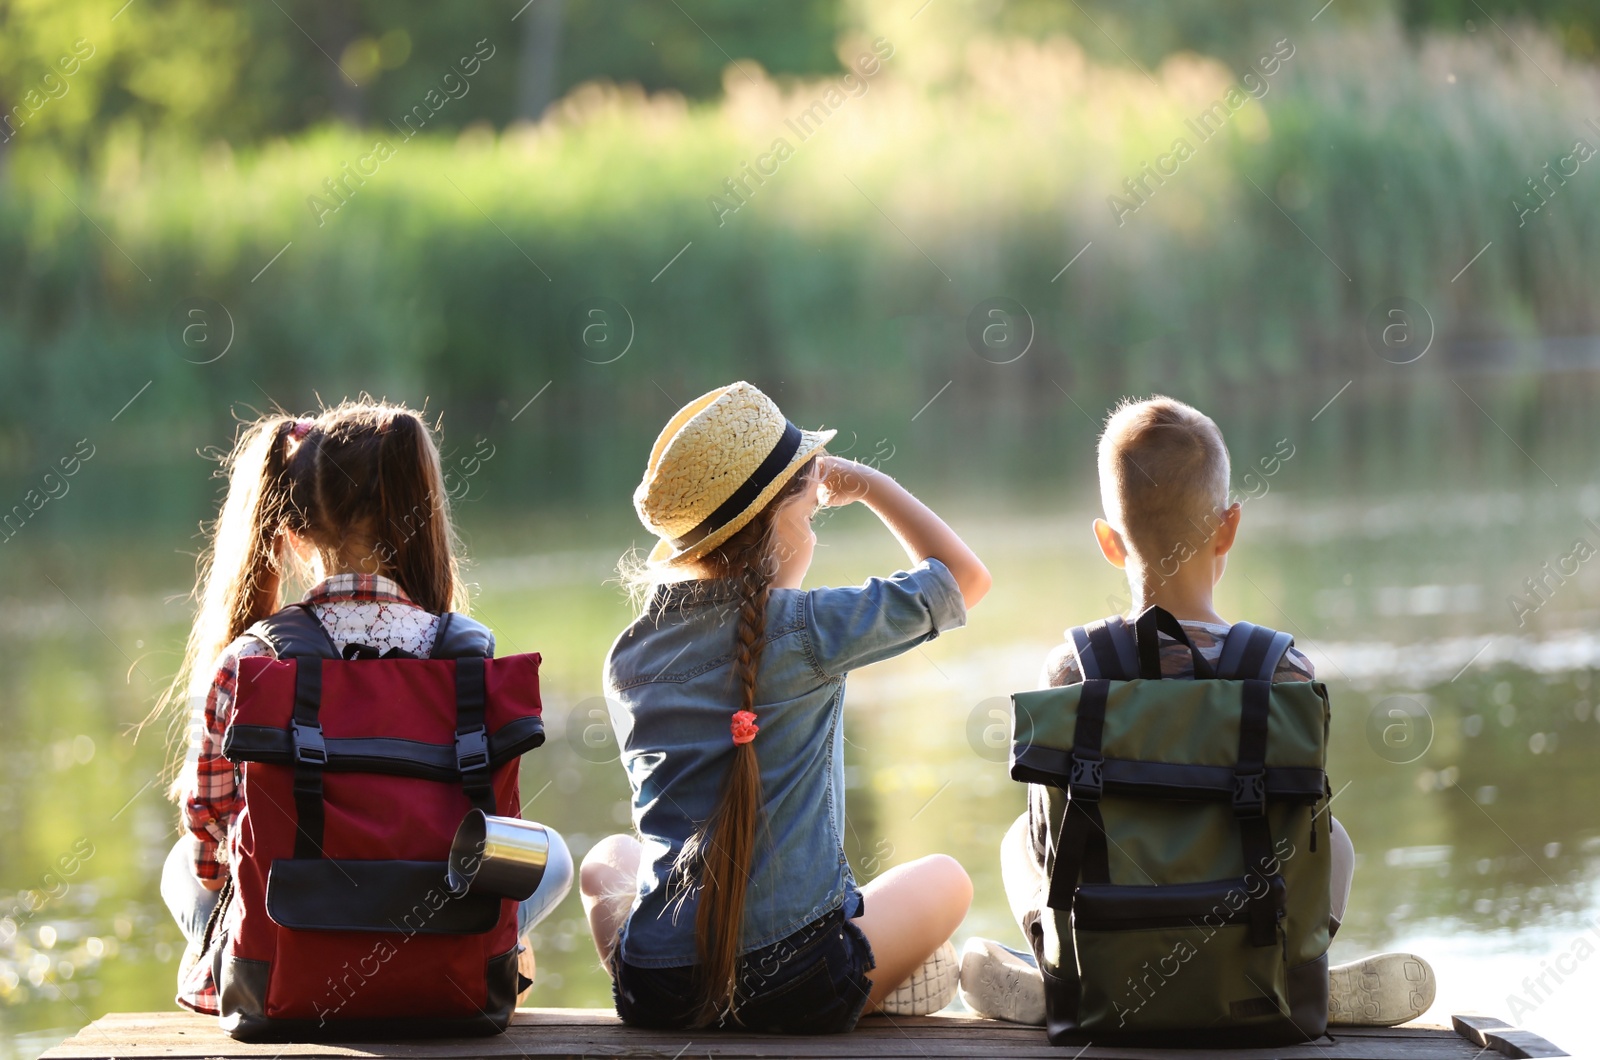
503, 856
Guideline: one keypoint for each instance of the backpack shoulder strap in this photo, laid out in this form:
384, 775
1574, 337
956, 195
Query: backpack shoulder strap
1251, 652
461, 637
469, 643
294, 633
1106, 650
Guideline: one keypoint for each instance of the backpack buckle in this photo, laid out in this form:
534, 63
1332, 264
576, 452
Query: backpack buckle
1086, 780
472, 750
1250, 794
308, 746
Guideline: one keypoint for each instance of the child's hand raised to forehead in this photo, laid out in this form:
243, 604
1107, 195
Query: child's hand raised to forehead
843, 482
921, 533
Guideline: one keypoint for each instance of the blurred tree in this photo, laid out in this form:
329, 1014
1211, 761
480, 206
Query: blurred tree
338, 26
1576, 22
541, 57
177, 65
686, 46
213, 69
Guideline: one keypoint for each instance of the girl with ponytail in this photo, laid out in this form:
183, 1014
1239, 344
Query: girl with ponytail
734, 906
353, 503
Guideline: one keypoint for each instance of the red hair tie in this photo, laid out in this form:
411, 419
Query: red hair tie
744, 727
300, 428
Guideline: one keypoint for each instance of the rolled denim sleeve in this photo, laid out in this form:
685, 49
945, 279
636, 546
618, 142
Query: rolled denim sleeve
882, 618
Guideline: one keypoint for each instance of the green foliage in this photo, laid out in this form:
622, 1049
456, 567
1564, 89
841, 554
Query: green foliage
209, 69
1148, 30
1576, 23
686, 49
455, 272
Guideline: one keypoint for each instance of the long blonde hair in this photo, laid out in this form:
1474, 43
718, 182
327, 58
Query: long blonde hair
719, 854
362, 479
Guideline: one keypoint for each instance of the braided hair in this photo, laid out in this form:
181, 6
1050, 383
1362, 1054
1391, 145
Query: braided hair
720, 853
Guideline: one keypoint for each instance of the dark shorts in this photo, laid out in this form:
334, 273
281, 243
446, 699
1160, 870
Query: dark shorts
812, 982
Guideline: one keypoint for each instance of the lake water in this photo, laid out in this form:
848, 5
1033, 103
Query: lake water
1474, 820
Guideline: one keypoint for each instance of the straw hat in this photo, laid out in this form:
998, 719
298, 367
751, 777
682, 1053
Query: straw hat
716, 464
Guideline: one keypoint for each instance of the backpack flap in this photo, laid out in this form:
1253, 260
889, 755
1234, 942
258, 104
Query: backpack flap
1192, 901
1168, 771
1174, 737
414, 735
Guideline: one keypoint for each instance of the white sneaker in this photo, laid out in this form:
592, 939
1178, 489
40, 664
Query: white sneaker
930, 988
1000, 983
1380, 991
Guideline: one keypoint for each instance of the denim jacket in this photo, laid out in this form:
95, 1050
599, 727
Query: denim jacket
669, 678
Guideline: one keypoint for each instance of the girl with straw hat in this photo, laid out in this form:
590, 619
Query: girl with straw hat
735, 906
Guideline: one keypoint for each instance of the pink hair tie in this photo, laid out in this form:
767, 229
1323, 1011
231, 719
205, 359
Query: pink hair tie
744, 727
301, 428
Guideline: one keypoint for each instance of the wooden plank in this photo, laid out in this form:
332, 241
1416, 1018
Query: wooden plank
597, 1033
1517, 1042
567, 1033
1474, 1027
1490, 1033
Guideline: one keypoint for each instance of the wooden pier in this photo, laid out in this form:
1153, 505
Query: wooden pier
597, 1033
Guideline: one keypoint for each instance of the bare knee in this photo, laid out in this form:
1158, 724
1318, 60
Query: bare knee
594, 880
610, 865
947, 877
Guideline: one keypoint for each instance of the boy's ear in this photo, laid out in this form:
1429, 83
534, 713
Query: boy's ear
1229, 528
1111, 544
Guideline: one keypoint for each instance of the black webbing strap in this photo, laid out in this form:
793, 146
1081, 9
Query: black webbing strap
354, 652
1250, 806
472, 738
1081, 850
310, 755
1152, 622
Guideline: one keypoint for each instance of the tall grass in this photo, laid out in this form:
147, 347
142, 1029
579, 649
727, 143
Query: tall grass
1374, 166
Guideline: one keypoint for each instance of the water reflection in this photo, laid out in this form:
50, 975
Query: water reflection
1475, 839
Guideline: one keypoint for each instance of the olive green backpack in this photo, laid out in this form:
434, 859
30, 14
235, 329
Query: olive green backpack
1187, 856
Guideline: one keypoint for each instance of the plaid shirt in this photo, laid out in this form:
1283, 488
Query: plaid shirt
354, 609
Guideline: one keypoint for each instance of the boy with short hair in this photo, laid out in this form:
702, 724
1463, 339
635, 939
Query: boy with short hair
1169, 523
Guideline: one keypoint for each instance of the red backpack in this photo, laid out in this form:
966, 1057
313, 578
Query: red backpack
355, 773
